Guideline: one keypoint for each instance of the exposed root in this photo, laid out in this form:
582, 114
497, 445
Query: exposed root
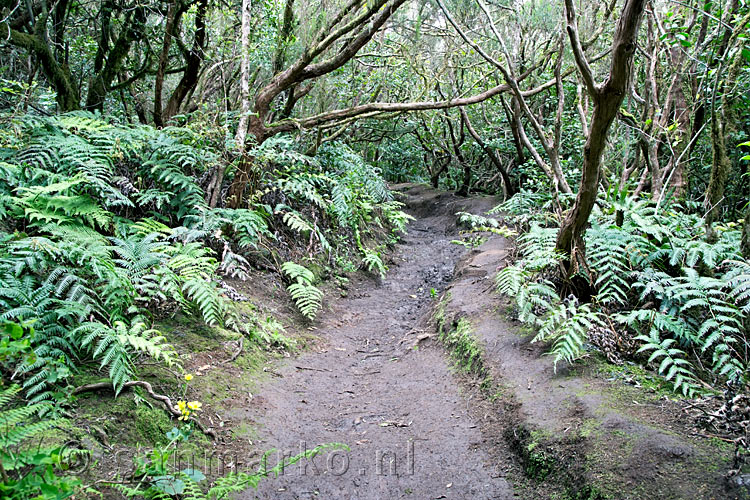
237, 352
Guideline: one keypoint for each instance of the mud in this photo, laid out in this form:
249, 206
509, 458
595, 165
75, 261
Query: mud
399, 408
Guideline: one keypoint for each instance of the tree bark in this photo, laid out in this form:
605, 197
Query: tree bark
745, 245
607, 99
163, 60
68, 93
114, 58
237, 189
193, 61
457, 142
722, 125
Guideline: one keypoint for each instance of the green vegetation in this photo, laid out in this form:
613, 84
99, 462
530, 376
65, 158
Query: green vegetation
174, 161
106, 231
157, 479
654, 281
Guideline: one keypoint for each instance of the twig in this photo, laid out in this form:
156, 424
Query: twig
714, 436
101, 386
312, 369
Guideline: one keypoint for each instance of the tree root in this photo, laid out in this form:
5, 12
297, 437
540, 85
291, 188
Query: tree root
237, 352
101, 386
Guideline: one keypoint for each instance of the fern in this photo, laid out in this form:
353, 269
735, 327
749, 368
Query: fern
114, 348
673, 364
510, 279
476, 221
297, 223
373, 263
15, 427
306, 296
567, 326
609, 254
738, 282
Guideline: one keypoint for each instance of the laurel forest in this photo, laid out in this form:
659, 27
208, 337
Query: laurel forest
172, 166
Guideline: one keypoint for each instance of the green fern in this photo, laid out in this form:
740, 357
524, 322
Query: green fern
672, 363
566, 326
15, 427
306, 296
114, 348
373, 263
30, 471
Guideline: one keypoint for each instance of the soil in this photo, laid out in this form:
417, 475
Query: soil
395, 402
418, 427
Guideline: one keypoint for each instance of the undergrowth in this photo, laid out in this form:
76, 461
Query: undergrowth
661, 291
105, 228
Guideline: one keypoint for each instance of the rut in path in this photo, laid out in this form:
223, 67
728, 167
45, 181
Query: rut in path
401, 410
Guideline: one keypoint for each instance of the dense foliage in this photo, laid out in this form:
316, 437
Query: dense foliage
151, 152
659, 288
105, 229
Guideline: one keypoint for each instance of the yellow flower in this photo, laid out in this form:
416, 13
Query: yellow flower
181, 405
188, 377
195, 405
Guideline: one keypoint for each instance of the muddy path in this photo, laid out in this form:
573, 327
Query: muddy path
403, 411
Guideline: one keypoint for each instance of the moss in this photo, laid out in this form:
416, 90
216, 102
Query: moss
536, 458
245, 431
538, 463
464, 347
189, 335
590, 428
586, 492
151, 425
216, 386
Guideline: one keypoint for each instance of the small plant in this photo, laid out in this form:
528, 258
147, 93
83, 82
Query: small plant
566, 326
307, 297
373, 263
479, 223
157, 478
462, 343
30, 472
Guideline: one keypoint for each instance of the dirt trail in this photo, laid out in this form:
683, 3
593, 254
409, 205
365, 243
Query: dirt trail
401, 410
419, 429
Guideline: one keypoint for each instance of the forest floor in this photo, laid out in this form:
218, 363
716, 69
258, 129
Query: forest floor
421, 426
474, 412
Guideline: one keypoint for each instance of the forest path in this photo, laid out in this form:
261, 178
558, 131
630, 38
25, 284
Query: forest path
412, 429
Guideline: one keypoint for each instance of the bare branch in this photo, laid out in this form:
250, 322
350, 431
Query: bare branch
575, 43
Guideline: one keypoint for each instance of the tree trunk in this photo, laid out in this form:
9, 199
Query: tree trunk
676, 113
237, 189
720, 168
68, 93
492, 154
114, 59
163, 60
194, 59
745, 246
722, 126
607, 99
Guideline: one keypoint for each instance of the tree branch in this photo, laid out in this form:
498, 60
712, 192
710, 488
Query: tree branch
575, 43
